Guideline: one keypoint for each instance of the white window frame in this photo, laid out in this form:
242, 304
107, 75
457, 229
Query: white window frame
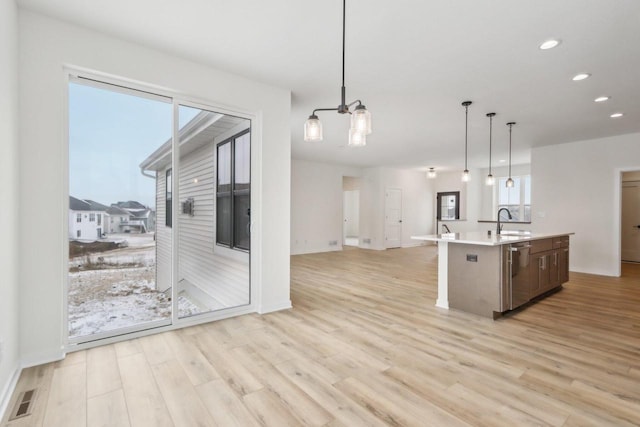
522, 204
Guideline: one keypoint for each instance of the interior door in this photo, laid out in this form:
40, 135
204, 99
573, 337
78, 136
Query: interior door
393, 218
350, 208
631, 221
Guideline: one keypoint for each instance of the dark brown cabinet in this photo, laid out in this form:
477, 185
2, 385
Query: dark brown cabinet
549, 264
540, 277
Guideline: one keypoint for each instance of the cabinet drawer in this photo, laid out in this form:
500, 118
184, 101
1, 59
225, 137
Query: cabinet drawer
561, 242
541, 245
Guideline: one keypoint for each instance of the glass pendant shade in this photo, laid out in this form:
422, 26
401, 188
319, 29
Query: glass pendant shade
466, 176
357, 139
490, 180
431, 173
313, 129
361, 120
509, 183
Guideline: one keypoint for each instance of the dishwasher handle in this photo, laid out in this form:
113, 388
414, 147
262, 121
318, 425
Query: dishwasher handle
517, 248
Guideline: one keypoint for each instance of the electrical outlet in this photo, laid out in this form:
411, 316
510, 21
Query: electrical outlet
333, 243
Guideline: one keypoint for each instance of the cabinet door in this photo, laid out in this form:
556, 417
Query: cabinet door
539, 274
563, 265
554, 269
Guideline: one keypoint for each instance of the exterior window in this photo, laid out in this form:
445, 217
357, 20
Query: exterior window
233, 192
122, 219
168, 199
78, 233
78, 217
99, 219
517, 198
92, 217
448, 205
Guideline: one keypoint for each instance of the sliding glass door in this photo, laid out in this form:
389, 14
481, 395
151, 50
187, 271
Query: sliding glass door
158, 218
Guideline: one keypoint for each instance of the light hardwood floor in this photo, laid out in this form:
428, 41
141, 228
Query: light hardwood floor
365, 346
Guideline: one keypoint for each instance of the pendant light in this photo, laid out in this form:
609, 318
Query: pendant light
431, 173
465, 174
509, 182
490, 179
360, 117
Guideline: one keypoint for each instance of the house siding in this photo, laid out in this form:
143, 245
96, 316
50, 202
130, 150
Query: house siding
88, 229
163, 236
201, 263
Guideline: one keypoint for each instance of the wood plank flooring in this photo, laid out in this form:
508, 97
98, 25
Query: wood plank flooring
364, 345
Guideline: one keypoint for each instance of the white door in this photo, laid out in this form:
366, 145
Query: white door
393, 218
631, 221
351, 222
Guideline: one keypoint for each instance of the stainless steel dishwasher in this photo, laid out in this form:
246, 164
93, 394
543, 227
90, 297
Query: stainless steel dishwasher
519, 274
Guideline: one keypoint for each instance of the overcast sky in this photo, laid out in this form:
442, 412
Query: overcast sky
110, 134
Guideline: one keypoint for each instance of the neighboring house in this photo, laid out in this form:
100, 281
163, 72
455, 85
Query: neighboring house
142, 218
86, 219
213, 268
117, 218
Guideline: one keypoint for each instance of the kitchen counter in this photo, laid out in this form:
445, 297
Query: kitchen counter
489, 274
482, 238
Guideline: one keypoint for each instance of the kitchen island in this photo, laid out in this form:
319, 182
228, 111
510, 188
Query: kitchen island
490, 274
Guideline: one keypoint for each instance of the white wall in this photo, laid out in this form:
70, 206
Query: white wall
476, 198
46, 45
316, 205
417, 202
9, 347
576, 187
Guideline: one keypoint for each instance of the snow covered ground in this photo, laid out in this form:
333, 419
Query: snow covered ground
116, 289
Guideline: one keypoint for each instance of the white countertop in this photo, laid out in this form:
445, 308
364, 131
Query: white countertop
482, 238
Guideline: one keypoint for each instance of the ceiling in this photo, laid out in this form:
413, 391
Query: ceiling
411, 63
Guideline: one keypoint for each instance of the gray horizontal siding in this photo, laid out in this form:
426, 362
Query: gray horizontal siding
224, 280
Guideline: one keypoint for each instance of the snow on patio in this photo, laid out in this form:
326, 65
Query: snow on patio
116, 289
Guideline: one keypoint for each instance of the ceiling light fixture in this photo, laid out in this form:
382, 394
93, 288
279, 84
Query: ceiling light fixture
490, 179
581, 76
431, 173
360, 117
549, 44
465, 174
616, 115
509, 182
602, 99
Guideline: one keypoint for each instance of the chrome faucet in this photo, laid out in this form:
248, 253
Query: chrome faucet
508, 213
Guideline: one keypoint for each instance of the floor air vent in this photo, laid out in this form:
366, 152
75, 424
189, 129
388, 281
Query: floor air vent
24, 405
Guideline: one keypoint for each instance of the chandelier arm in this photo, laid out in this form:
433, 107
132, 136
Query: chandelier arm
357, 101
324, 109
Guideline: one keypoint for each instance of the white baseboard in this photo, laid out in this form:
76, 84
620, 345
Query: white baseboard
7, 391
284, 305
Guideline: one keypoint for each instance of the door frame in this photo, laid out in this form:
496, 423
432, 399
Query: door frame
618, 216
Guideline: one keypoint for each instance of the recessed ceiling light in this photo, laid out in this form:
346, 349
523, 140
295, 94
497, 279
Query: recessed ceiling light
616, 115
581, 76
602, 99
502, 160
549, 44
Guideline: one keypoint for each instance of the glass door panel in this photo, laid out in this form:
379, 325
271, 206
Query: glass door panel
213, 256
119, 276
